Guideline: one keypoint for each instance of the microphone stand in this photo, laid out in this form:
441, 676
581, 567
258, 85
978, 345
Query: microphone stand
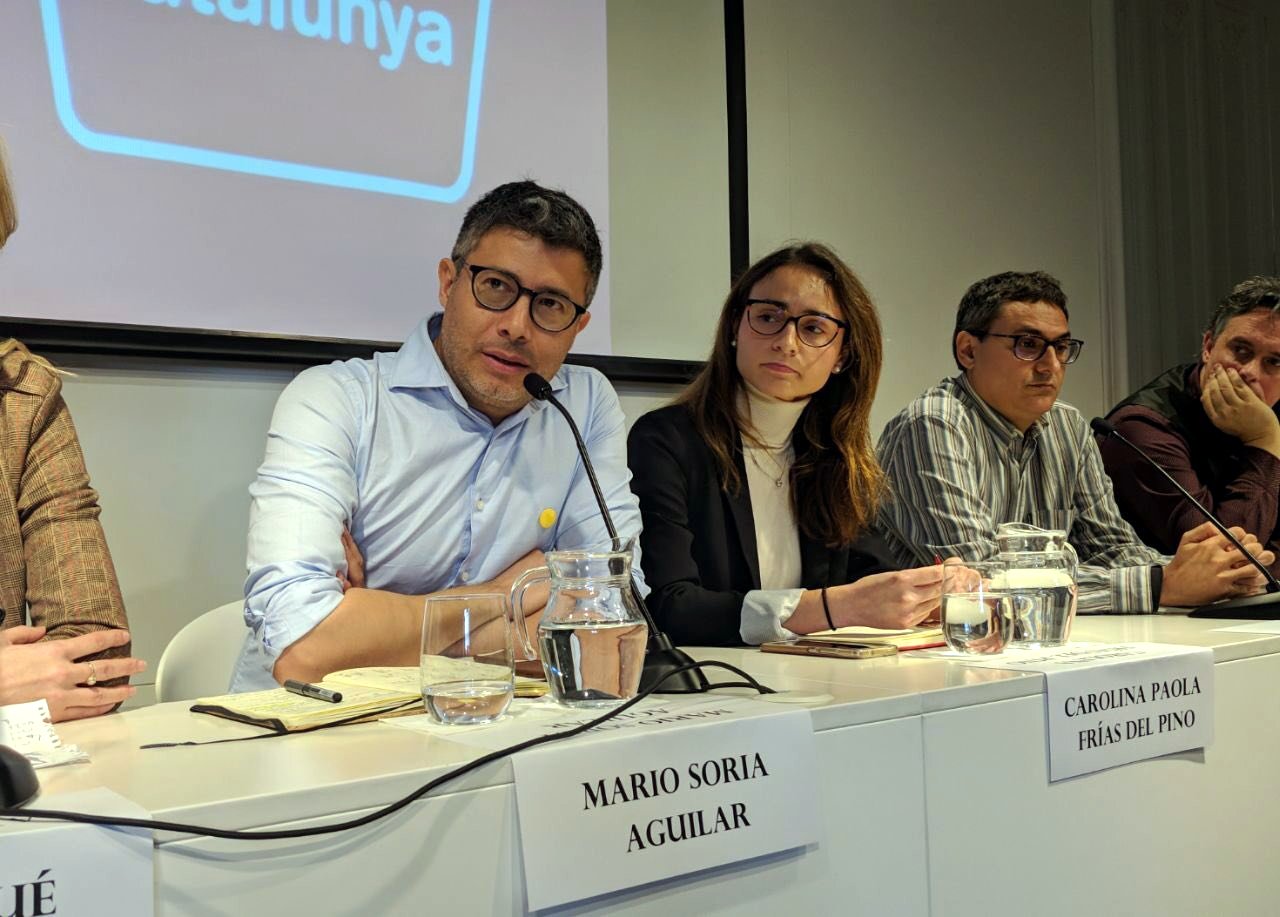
18, 782
662, 659
1263, 607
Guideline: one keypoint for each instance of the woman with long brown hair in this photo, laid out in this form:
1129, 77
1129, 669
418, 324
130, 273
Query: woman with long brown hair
62, 621
759, 485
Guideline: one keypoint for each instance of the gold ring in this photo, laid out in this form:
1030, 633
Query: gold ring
93, 675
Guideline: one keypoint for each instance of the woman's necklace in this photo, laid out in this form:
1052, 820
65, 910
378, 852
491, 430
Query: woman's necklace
778, 473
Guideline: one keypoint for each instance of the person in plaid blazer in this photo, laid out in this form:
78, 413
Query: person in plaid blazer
64, 635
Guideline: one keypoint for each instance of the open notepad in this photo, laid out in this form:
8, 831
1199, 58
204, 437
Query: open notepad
367, 693
906, 638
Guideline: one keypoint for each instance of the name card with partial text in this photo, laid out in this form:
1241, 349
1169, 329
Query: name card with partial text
69, 870
1112, 704
601, 813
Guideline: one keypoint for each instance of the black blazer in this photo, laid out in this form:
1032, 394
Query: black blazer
699, 542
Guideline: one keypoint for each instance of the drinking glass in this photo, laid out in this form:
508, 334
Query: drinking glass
977, 609
467, 665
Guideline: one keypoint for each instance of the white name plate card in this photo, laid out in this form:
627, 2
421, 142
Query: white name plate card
69, 870
1112, 704
600, 814
1253, 627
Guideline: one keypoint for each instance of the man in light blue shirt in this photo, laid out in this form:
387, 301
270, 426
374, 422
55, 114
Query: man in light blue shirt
446, 474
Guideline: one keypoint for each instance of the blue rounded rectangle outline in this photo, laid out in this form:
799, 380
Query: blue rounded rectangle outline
253, 165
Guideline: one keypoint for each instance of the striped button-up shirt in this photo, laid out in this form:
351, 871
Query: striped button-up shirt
957, 469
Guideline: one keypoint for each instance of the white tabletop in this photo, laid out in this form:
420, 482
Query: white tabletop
246, 784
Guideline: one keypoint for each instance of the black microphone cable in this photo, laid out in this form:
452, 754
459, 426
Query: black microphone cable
110, 821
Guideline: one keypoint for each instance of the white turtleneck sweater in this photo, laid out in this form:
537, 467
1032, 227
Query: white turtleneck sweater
768, 465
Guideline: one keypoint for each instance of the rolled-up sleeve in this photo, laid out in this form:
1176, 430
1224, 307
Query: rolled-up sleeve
304, 494
765, 612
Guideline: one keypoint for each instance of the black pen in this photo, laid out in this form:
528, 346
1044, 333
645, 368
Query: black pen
313, 691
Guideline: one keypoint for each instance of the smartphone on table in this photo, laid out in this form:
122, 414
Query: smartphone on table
832, 649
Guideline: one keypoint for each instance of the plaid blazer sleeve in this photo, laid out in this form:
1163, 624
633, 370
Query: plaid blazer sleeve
71, 585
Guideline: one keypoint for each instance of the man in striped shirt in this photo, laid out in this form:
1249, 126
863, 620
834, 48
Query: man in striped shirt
995, 445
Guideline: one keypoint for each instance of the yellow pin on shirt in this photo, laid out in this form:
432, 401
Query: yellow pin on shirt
547, 518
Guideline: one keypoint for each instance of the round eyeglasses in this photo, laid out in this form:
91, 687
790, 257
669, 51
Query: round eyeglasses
1031, 347
814, 329
498, 291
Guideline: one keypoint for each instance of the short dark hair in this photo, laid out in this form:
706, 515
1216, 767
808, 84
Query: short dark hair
1245, 297
544, 213
981, 303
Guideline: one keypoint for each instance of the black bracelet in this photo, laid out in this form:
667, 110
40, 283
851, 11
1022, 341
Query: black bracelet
826, 609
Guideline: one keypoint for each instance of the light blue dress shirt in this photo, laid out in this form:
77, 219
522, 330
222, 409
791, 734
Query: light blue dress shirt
434, 493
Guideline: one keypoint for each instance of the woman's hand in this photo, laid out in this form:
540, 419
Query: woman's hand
31, 670
902, 598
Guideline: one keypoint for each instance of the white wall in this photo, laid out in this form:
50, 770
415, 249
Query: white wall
931, 142
668, 175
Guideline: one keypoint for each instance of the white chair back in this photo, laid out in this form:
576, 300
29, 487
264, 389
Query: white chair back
199, 659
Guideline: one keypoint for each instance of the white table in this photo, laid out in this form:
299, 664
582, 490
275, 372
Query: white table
932, 776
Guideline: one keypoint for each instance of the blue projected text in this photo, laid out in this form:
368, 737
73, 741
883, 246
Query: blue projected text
382, 24
387, 28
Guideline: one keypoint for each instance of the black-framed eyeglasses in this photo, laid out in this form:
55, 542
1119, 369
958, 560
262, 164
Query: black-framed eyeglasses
498, 291
1031, 347
767, 317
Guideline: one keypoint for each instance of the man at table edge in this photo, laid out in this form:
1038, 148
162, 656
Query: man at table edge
994, 445
446, 475
1213, 425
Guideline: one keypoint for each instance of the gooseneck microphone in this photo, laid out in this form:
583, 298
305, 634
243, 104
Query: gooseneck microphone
660, 657
1258, 607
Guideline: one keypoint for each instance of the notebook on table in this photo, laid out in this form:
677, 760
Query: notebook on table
368, 693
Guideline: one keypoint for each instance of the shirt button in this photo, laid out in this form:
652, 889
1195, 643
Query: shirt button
479, 505
464, 576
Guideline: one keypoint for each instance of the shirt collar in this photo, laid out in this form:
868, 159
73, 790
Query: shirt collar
1004, 431
419, 366
417, 363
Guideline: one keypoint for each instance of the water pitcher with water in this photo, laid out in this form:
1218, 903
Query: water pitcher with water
592, 636
1041, 571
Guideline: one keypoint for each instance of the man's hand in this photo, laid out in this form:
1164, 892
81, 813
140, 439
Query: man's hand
902, 598
1235, 409
30, 670
1207, 567
354, 577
